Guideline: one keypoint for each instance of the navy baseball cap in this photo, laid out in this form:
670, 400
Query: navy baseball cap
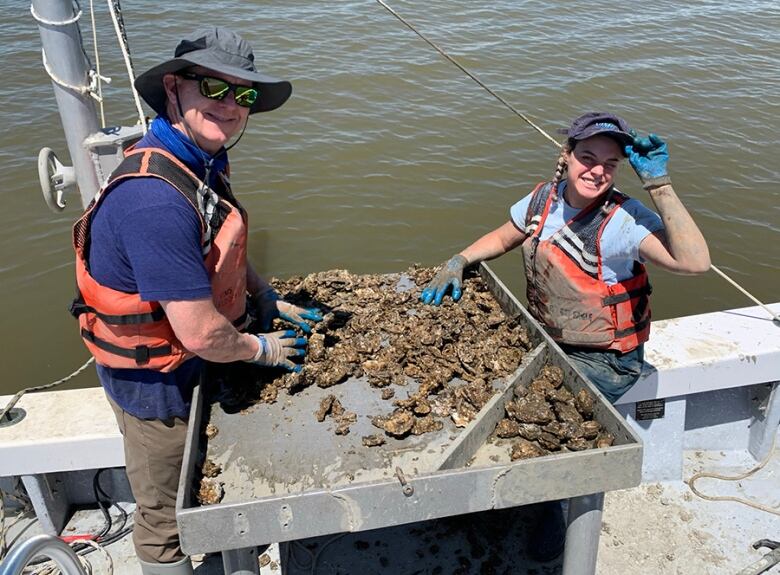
594, 123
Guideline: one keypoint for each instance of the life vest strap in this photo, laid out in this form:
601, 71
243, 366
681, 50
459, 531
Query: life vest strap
637, 327
77, 307
557, 333
630, 294
140, 353
241, 321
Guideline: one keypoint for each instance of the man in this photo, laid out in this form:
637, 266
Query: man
163, 274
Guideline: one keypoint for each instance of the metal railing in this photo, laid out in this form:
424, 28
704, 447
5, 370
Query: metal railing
47, 545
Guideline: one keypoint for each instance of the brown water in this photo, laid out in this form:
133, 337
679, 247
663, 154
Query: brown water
388, 155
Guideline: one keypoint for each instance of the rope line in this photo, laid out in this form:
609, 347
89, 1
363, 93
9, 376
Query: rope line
97, 64
759, 506
469, 74
43, 20
119, 26
3, 546
94, 88
313, 558
26, 509
18, 396
774, 316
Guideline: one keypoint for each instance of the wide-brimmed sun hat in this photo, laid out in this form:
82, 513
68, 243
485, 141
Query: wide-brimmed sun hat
594, 123
217, 49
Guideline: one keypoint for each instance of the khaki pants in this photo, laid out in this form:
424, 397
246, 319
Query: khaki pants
153, 456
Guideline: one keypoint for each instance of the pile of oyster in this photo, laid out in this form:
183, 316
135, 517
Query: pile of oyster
545, 417
375, 326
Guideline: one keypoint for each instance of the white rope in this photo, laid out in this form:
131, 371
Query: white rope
775, 317
18, 396
42, 20
469, 74
97, 64
741, 476
83, 90
93, 89
101, 549
122, 39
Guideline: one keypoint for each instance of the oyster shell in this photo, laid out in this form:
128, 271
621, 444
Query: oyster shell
399, 424
211, 469
584, 403
567, 413
507, 428
524, 449
211, 491
373, 440
530, 409
426, 425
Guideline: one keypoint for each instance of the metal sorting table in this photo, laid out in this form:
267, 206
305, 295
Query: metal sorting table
287, 476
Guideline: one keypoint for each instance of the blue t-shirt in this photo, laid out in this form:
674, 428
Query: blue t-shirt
146, 239
620, 240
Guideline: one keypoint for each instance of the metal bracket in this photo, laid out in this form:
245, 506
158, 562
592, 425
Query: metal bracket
405, 487
55, 178
12, 417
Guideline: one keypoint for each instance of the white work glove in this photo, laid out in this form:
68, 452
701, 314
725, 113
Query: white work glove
276, 349
298, 315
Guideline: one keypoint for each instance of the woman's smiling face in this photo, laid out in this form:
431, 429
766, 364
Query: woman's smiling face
591, 169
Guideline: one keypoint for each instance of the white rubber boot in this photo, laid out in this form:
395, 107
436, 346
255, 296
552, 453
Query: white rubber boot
183, 567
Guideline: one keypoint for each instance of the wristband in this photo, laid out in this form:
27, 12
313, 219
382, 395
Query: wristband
261, 350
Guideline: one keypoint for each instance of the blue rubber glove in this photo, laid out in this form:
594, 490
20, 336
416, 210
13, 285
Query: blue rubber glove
277, 348
451, 274
648, 157
298, 315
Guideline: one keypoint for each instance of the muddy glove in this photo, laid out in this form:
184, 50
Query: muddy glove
277, 348
451, 274
648, 157
298, 315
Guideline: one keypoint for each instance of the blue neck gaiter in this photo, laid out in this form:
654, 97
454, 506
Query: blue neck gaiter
186, 150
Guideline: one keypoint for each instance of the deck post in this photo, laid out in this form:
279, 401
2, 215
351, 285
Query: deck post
241, 561
765, 423
582, 534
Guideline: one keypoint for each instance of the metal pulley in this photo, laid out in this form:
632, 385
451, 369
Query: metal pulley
55, 178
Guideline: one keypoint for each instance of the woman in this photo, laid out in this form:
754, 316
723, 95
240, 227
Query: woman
584, 245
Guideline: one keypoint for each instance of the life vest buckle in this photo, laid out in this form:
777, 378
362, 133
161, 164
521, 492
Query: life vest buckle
142, 354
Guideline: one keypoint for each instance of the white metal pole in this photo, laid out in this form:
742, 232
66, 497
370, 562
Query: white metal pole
582, 534
64, 58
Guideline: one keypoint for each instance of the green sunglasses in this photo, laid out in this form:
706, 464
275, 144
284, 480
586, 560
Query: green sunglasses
217, 89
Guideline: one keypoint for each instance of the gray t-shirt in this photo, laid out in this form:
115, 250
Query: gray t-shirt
622, 235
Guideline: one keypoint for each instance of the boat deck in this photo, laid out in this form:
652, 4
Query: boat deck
660, 528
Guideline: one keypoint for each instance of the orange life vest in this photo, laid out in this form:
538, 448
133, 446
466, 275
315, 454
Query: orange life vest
120, 329
566, 291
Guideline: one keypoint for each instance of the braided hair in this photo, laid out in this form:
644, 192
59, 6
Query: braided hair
560, 167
